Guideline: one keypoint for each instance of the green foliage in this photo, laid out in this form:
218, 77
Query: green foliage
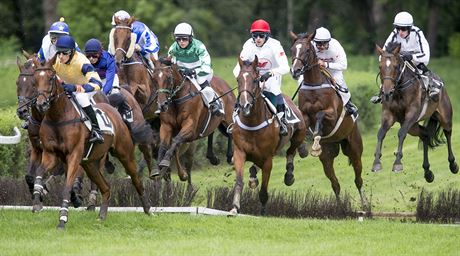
8, 45
368, 112
13, 157
454, 45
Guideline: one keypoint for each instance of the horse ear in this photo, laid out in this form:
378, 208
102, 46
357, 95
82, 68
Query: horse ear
293, 36
26, 54
131, 20
397, 49
117, 20
240, 61
52, 61
255, 63
18, 62
311, 36
378, 49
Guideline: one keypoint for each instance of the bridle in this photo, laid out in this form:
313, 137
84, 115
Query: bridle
125, 52
308, 61
49, 94
397, 79
171, 90
255, 83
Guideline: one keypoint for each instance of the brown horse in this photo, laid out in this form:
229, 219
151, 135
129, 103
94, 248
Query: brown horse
27, 95
323, 110
65, 137
406, 102
256, 134
184, 116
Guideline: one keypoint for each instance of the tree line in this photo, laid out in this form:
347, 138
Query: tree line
224, 25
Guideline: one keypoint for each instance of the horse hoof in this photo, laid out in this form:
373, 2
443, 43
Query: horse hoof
230, 160
377, 167
37, 208
397, 168
154, 174
453, 167
183, 177
213, 160
253, 182
303, 152
91, 208
429, 176
315, 153
61, 225
164, 163
289, 179
233, 212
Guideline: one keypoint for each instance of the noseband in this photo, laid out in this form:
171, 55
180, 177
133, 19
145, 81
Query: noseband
305, 65
251, 93
52, 81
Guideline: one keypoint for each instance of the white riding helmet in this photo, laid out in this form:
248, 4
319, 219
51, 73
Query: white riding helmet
122, 15
322, 35
183, 29
403, 19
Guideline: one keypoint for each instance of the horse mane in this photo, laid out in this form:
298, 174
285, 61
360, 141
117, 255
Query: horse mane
391, 46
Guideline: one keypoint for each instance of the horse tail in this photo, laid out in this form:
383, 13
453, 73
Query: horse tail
434, 132
142, 134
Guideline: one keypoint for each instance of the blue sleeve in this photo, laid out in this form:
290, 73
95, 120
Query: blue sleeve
87, 68
41, 55
110, 74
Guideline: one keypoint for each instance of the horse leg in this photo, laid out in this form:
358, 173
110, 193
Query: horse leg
229, 153
384, 127
296, 141
316, 147
263, 193
239, 157
128, 161
253, 180
402, 133
94, 171
166, 160
327, 159
355, 151
34, 163
145, 149
47, 163
210, 152
75, 194
453, 166
92, 198
72, 171
181, 171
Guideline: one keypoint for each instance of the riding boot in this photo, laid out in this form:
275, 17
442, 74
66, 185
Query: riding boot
280, 108
351, 108
96, 134
214, 105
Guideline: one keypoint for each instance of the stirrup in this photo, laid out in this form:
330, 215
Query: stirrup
283, 127
96, 137
375, 99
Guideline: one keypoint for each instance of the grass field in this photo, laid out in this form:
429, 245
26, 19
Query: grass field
24, 233
137, 234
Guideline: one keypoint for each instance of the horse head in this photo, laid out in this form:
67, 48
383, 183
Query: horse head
25, 88
168, 78
122, 40
390, 69
303, 54
46, 84
248, 85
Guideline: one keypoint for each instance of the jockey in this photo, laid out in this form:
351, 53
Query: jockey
273, 64
104, 64
332, 57
146, 41
48, 48
191, 55
79, 78
414, 48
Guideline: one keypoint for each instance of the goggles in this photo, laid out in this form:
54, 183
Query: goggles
66, 52
92, 55
321, 43
402, 28
182, 38
256, 35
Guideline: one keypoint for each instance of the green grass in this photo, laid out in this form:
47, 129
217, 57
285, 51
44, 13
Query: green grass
138, 234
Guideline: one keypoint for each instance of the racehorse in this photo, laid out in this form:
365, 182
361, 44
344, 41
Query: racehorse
406, 102
27, 111
256, 134
184, 116
331, 127
65, 137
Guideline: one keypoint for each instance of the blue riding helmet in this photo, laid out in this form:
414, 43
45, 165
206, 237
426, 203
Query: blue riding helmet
93, 45
65, 43
59, 27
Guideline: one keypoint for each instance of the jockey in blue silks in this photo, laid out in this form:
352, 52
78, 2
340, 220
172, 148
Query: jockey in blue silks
48, 47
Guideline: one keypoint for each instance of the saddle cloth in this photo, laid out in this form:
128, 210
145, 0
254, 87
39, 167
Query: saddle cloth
105, 124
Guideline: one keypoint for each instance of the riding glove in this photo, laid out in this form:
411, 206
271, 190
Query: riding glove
70, 88
407, 56
188, 72
265, 77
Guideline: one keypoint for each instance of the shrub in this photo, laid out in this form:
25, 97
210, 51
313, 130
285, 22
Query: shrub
454, 45
368, 112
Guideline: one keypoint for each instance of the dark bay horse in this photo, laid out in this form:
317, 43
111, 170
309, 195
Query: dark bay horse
331, 127
27, 111
406, 102
65, 137
256, 134
184, 116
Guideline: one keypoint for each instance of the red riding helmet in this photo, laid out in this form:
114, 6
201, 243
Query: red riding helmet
260, 25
